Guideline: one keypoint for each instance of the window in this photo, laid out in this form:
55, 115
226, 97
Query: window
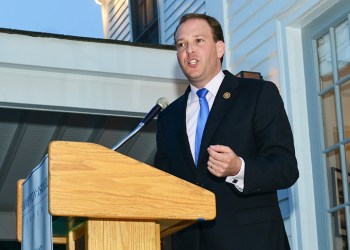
145, 21
332, 49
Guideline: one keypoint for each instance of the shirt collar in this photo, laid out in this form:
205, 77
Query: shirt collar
212, 86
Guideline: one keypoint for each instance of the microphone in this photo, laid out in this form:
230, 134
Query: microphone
162, 103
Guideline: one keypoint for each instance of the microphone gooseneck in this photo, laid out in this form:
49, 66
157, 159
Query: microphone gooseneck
162, 103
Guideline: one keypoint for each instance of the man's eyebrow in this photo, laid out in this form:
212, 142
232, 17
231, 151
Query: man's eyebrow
200, 36
179, 40
195, 36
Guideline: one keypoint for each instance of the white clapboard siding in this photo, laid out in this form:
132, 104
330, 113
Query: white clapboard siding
119, 21
252, 36
171, 11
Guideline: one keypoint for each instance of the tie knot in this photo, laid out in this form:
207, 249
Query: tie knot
202, 92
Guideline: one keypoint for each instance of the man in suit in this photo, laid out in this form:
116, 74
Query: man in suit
246, 152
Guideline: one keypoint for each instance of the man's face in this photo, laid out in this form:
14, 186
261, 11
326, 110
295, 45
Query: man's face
197, 52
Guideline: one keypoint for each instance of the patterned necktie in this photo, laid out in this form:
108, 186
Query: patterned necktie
202, 119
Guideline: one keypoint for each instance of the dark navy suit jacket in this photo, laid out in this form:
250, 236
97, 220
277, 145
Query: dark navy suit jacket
247, 115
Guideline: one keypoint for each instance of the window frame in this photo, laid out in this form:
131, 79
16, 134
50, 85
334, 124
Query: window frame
315, 30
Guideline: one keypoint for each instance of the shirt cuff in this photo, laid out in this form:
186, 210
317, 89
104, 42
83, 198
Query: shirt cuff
238, 180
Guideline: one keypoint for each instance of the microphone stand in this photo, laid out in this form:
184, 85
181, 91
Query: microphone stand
128, 136
162, 103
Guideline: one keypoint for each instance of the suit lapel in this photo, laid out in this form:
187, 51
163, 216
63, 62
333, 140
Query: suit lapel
223, 100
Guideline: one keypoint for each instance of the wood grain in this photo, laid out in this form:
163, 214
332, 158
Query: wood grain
90, 180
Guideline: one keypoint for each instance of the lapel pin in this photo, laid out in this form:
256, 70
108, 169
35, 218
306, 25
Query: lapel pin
227, 95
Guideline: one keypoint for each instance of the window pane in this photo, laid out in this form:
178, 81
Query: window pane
141, 17
343, 49
150, 11
325, 61
329, 119
345, 103
336, 195
145, 21
339, 230
151, 36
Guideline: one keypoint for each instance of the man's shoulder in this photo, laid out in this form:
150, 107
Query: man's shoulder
174, 107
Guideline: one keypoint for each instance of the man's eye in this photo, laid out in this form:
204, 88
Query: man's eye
180, 45
199, 40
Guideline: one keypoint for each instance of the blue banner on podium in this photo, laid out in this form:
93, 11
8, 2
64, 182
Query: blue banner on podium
36, 220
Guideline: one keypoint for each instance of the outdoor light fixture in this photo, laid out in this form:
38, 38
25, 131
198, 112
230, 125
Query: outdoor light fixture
250, 74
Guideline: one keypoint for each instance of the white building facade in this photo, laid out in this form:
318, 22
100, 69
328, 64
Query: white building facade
304, 47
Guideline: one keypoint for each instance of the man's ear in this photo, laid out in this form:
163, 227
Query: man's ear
220, 49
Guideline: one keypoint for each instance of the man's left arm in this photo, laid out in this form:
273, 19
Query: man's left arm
275, 167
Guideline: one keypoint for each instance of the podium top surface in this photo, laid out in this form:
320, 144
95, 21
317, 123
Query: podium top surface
89, 180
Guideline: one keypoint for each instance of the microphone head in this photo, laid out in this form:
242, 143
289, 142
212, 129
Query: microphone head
162, 102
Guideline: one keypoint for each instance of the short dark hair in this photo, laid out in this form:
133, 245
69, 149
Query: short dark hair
213, 23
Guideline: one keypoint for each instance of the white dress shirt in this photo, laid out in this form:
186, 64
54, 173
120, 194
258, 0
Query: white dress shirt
192, 116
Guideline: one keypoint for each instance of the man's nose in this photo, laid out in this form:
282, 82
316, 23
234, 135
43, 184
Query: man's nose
189, 49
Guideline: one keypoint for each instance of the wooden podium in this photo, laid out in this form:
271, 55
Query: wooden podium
123, 203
